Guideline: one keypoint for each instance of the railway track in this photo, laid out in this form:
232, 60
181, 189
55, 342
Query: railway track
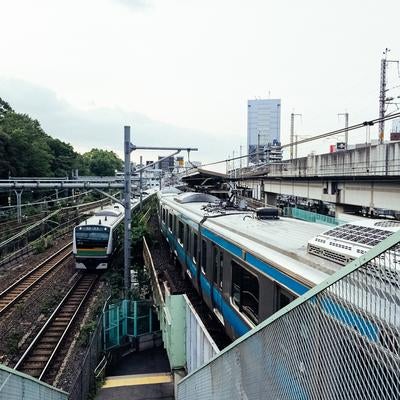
42, 352
25, 284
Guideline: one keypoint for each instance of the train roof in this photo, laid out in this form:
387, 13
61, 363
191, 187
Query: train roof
108, 216
280, 241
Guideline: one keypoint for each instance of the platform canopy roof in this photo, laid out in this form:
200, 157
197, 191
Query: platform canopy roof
205, 178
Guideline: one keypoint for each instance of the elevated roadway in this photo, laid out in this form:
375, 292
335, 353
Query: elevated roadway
367, 176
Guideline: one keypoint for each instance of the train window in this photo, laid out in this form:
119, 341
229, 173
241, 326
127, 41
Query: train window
215, 264
187, 238
194, 247
221, 268
180, 232
284, 298
245, 292
203, 256
170, 222
163, 214
236, 282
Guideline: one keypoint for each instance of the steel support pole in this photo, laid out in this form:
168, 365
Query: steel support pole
18, 194
291, 135
127, 205
141, 183
382, 95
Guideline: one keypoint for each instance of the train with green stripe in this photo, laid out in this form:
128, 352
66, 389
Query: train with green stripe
96, 239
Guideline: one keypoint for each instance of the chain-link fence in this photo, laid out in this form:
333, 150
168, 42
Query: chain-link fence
341, 340
86, 381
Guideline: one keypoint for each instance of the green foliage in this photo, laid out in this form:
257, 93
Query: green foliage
43, 244
86, 332
26, 150
12, 342
102, 162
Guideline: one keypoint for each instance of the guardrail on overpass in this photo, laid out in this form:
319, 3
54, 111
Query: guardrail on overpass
16, 385
340, 340
368, 160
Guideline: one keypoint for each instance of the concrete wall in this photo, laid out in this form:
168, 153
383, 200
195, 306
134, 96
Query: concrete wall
383, 159
363, 194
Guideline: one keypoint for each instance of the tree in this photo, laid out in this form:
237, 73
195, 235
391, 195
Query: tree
102, 162
26, 150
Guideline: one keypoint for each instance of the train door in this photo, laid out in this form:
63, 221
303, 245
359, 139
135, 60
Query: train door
217, 257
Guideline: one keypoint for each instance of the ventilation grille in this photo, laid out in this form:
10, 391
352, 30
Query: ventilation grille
329, 255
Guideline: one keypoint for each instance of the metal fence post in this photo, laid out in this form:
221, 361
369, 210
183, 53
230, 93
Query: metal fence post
135, 317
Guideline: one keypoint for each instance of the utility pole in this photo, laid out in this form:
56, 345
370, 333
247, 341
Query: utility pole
233, 163
346, 125
382, 96
240, 152
128, 148
18, 194
383, 100
127, 206
292, 115
258, 147
140, 182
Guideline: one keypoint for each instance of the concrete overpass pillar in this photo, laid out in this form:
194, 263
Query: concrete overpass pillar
339, 209
270, 198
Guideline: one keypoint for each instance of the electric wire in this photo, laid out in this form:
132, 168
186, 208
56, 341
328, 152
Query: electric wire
312, 138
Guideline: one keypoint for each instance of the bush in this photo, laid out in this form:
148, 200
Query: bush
43, 244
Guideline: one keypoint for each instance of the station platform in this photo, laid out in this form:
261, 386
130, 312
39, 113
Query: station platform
139, 376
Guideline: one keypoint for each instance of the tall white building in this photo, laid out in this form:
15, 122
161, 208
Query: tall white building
263, 125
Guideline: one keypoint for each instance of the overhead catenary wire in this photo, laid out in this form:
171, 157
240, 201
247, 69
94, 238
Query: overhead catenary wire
316, 137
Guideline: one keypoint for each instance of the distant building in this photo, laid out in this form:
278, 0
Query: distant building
180, 162
166, 165
273, 152
395, 132
263, 126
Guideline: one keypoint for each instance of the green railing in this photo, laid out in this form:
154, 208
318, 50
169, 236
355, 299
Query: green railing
310, 216
127, 318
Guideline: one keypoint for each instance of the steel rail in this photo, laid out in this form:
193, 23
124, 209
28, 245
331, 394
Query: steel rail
91, 280
51, 358
24, 278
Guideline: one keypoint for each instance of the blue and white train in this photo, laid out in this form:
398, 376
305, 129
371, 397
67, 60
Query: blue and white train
247, 268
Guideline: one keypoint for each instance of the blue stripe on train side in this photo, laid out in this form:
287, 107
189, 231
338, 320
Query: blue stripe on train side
360, 324
232, 248
279, 276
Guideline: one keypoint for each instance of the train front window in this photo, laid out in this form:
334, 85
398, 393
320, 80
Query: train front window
245, 292
92, 236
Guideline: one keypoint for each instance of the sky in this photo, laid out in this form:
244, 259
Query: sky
180, 72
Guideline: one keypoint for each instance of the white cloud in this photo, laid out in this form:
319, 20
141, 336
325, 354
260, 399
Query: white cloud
193, 64
103, 127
